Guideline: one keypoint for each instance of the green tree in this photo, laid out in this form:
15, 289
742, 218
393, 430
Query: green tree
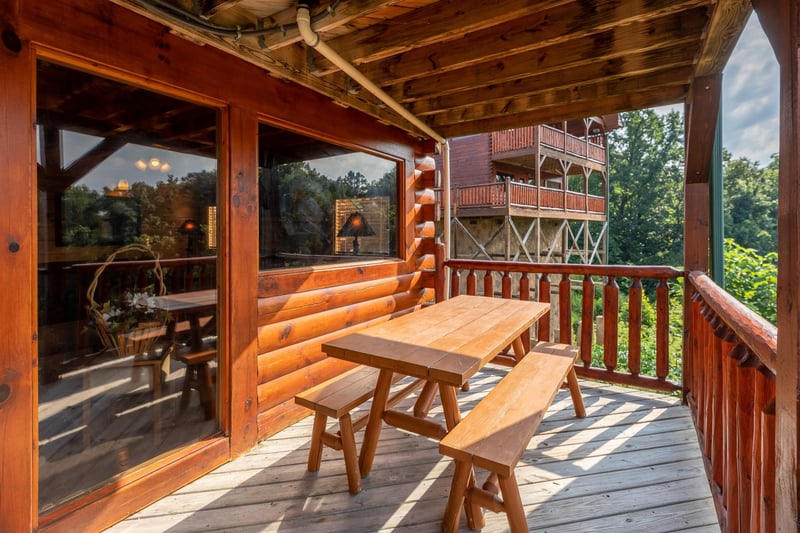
752, 278
646, 189
751, 203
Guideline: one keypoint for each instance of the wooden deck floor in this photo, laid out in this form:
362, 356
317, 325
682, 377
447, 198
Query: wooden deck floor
633, 464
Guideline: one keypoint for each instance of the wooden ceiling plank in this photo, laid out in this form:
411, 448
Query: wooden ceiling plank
649, 61
591, 90
615, 43
568, 111
437, 22
543, 28
727, 22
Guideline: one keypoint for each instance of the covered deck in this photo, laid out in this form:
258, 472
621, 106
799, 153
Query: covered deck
633, 463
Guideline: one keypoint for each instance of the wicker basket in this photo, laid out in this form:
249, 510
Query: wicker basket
137, 338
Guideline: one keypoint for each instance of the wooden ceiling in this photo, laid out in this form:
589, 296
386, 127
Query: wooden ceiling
471, 66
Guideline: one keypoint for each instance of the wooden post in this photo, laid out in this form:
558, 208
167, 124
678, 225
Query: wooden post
701, 112
239, 307
18, 259
779, 18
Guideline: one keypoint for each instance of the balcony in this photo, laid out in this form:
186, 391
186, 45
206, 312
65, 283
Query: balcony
521, 199
520, 139
637, 461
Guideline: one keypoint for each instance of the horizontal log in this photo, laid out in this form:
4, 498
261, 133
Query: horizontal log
288, 306
426, 229
424, 212
276, 282
760, 336
425, 196
280, 417
286, 333
282, 389
426, 262
277, 363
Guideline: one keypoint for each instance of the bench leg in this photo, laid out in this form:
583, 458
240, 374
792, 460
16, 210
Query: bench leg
513, 504
350, 455
455, 501
575, 392
315, 452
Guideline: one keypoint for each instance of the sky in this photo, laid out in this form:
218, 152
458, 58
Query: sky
750, 99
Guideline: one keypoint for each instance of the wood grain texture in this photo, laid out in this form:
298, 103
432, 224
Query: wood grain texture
18, 260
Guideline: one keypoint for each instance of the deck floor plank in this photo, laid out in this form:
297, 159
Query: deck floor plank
632, 464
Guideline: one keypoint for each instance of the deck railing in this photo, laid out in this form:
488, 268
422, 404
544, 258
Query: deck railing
554, 138
502, 195
563, 282
730, 382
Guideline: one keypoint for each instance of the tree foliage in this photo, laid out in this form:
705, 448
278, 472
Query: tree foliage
645, 189
752, 278
751, 203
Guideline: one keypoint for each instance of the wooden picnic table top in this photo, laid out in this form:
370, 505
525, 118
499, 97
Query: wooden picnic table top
445, 343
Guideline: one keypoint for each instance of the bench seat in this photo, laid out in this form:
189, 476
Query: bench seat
495, 434
335, 398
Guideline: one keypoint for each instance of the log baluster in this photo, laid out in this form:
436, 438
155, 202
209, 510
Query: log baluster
565, 309
662, 329
505, 284
472, 283
635, 327
543, 333
525, 294
745, 432
587, 320
455, 282
717, 402
611, 318
767, 518
488, 283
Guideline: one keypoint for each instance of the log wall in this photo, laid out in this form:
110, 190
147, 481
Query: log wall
269, 324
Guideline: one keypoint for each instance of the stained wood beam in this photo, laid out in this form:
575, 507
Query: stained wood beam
545, 28
636, 38
567, 111
702, 111
585, 92
727, 22
437, 22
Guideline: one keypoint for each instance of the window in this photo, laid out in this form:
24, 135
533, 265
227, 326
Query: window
321, 203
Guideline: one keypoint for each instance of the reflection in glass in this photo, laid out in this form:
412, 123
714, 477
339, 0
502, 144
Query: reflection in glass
127, 291
309, 190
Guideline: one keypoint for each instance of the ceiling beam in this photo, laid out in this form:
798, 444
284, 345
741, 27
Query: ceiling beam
543, 28
726, 24
614, 43
585, 92
625, 67
568, 111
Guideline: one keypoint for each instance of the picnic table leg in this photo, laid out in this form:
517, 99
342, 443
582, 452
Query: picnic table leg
373, 431
425, 399
575, 392
452, 415
519, 349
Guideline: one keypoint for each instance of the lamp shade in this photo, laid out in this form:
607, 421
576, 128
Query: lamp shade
355, 226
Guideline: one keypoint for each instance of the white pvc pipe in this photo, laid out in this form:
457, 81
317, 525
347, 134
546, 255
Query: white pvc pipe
313, 40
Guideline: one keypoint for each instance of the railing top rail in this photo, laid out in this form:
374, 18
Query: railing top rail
665, 272
760, 336
180, 261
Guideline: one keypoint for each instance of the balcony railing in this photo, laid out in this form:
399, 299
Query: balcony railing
554, 138
502, 195
730, 377
729, 360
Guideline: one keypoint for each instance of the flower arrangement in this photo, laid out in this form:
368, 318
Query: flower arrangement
128, 323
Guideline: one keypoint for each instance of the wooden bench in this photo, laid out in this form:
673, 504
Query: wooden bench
335, 398
496, 432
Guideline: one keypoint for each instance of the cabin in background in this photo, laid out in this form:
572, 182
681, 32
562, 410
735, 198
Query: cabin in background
535, 193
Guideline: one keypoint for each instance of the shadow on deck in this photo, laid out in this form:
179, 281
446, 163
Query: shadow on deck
632, 464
